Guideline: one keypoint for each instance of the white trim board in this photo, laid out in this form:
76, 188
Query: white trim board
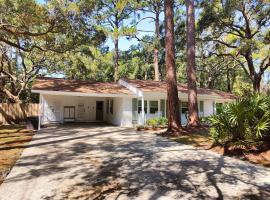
48, 92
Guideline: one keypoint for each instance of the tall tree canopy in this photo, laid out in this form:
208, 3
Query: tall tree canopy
113, 16
83, 40
33, 35
241, 28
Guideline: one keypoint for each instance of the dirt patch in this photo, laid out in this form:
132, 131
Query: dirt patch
12, 142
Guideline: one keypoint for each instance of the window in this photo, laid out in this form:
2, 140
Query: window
162, 107
108, 106
111, 107
140, 106
184, 106
153, 107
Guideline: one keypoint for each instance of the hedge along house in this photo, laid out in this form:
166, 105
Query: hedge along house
125, 103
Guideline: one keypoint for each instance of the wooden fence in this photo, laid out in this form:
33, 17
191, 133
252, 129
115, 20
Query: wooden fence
14, 113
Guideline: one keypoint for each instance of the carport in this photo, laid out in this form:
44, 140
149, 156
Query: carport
63, 101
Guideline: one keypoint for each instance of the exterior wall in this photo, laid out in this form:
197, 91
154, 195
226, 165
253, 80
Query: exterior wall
208, 107
53, 108
122, 112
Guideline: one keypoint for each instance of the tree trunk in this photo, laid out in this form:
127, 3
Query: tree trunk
257, 83
253, 75
11, 97
116, 59
174, 126
156, 67
229, 88
191, 69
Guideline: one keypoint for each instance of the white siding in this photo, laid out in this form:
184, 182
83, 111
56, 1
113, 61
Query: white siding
56, 103
122, 112
53, 108
208, 107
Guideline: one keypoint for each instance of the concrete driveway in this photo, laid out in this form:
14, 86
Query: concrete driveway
92, 162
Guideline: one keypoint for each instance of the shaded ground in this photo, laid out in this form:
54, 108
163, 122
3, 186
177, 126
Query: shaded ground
198, 137
12, 141
83, 162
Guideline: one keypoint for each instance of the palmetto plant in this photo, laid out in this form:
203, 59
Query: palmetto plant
243, 122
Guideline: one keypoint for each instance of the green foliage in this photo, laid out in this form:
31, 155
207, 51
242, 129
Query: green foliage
243, 122
87, 63
205, 120
163, 121
155, 122
238, 29
137, 62
36, 39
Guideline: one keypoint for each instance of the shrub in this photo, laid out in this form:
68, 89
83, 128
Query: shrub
205, 120
243, 122
162, 121
152, 122
155, 122
140, 127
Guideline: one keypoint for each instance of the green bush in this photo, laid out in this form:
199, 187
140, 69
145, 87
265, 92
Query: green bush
152, 122
162, 121
155, 122
205, 120
243, 122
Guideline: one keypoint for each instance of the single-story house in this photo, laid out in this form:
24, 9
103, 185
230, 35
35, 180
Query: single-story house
123, 103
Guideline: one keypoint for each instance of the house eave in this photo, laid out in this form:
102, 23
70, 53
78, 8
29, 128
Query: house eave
84, 94
185, 96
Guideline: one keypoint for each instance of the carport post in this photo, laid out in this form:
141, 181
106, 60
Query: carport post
40, 110
143, 114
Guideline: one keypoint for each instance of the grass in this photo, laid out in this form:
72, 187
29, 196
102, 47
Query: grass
12, 142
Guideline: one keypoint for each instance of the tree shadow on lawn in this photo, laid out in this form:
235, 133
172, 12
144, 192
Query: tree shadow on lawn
121, 164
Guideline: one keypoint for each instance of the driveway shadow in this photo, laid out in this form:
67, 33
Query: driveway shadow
118, 163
